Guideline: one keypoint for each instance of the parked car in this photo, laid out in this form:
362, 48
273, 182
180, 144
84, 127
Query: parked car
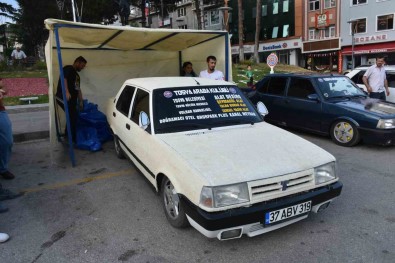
328, 105
357, 74
216, 164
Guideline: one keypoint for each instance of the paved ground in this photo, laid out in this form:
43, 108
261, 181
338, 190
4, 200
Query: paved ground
103, 210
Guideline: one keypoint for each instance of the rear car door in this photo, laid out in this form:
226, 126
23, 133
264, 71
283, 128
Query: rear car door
391, 85
302, 112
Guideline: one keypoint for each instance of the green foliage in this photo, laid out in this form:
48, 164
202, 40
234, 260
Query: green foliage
40, 65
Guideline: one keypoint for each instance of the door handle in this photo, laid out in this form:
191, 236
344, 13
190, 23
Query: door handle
127, 126
114, 114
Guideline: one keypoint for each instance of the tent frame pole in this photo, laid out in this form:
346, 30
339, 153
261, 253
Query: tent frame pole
65, 104
226, 56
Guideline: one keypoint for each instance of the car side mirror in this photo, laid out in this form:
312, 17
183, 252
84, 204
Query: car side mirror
262, 108
144, 121
313, 96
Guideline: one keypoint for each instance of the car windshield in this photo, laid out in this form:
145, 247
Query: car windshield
191, 108
338, 87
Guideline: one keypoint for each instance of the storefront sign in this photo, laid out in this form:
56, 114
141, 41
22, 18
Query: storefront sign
322, 20
267, 47
371, 38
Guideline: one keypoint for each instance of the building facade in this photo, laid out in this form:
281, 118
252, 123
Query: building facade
371, 22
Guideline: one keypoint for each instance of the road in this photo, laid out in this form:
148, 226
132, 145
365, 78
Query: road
103, 210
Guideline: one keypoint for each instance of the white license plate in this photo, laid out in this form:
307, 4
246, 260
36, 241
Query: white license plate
288, 212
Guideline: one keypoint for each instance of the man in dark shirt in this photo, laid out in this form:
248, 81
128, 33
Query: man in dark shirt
73, 92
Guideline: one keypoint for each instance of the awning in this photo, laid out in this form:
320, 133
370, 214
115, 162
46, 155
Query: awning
370, 49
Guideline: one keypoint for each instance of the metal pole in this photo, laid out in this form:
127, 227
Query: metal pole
73, 7
352, 49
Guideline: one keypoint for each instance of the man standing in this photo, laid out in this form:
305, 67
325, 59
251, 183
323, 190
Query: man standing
73, 92
375, 80
18, 56
211, 73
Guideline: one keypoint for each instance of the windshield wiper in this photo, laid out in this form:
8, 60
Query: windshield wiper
360, 95
185, 125
232, 122
341, 97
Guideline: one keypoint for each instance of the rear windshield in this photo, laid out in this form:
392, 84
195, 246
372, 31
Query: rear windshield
191, 108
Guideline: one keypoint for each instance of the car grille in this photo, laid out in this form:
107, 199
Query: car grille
267, 189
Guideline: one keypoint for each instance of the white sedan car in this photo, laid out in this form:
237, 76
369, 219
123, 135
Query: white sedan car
216, 164
357, 74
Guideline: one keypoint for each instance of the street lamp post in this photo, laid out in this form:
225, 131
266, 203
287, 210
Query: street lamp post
353, 27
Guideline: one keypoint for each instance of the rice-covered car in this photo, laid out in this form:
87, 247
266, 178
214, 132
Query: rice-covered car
215, 162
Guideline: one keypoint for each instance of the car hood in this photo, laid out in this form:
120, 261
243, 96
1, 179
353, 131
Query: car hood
375, 106
243, 153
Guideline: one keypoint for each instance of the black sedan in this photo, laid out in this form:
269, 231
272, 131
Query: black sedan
326, 104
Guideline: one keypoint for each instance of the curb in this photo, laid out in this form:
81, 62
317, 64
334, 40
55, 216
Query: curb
30, 136
27, 108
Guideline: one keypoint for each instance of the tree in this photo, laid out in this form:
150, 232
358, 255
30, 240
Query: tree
257, 29
240, 29
6, 10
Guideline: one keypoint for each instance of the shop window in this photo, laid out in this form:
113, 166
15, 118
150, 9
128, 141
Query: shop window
314, 5
359, 26
285, 6
329, 3
285, 30
385, 22
275, 32
275, 7
359, 2
264, 10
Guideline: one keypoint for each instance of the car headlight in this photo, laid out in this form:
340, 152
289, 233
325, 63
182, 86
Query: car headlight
226, 195
325, 173
386, 124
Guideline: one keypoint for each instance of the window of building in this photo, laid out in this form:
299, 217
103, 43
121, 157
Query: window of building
312, 34
330, 32
359, 26
182, 11
254, 12
285, 30
183, 27
314, 5
275, 7
285, 6
359, 2
385, 22
329, 3
264, 10
214, 19
275, 32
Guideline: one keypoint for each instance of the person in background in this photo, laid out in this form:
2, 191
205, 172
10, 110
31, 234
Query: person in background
375, 80
187, 70
250, 76
18, 56
73, 92
211, 72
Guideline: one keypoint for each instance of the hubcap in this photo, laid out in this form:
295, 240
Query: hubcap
343, 132
171, 200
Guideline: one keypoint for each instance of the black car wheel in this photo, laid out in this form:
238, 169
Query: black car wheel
171, 204
118, 150
344, 133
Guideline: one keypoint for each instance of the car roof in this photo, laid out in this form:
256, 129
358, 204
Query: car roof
153, 83
305, 75
387, 67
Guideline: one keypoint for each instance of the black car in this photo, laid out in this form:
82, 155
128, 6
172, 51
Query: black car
326, 104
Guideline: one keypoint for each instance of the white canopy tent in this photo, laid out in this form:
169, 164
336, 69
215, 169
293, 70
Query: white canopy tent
117, 53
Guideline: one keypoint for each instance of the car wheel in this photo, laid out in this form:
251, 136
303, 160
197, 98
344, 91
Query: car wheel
118, 151
171, 203
344, 133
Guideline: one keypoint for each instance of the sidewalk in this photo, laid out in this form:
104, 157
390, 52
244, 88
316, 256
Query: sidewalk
29, 122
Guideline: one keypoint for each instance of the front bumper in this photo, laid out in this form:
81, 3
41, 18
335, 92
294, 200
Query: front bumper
251, 220
378, 136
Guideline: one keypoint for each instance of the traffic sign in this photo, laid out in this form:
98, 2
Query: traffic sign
271, 61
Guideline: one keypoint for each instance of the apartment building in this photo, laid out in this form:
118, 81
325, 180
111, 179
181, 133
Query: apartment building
371, 22
281, 30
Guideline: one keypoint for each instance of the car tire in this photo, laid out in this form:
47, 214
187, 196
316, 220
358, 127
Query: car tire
344, 133
171, 204
118, 150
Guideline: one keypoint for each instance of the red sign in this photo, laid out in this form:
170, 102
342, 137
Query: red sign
322, 20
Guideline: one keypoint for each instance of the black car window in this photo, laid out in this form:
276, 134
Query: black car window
141, 103
277, 85
124, 100
391, 78
358, 77
262, 85
300, 88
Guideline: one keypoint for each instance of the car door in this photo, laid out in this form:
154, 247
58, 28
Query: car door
139, 141
357, 79
391, 85
302, 112
272, 93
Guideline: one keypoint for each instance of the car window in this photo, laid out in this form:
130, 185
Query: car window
391, 78
125, 99
332, 87
358, 77
300, 88
277, 85
141, 103
206, 107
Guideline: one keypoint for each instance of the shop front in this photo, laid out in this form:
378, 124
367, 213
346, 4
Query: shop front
322, 55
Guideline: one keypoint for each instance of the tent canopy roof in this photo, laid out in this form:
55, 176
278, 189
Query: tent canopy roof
92, 36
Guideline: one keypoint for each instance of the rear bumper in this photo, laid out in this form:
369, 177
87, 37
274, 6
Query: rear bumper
377, 136
251, 220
